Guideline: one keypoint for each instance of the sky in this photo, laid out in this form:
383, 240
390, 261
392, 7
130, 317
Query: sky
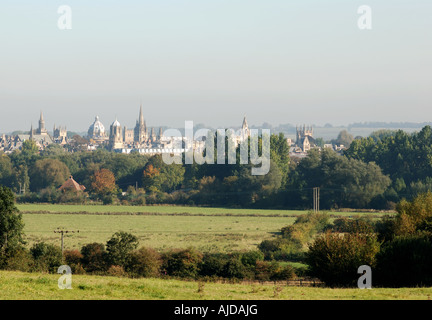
214, 62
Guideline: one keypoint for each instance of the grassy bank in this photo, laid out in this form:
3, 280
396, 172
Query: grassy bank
18, 285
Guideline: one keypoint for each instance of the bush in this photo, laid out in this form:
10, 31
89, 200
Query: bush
212, 264
360, 225
234, 269
182, 263
250, 258
119, 247
94, 257
334, 258
47, 257
20, 260
73, 258
144, 262
281, 249
406, 261
273, 271
116, 271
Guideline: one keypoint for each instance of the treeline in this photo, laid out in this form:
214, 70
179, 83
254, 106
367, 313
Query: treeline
404, 157
374, 173
398, 250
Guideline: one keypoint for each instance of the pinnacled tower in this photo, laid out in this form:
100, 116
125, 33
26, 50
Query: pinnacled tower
140, 131
42, 130
116, 136
153, 135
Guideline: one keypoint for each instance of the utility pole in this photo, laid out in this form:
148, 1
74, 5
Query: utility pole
316, 197
62, 232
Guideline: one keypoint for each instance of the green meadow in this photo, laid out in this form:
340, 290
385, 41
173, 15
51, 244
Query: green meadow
159, 227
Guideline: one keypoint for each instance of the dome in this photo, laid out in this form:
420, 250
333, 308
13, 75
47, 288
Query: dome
97, 129
116, 123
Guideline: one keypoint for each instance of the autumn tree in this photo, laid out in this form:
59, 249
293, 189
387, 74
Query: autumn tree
103, 182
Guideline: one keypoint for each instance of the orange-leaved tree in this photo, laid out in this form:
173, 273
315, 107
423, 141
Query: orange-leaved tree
103, 182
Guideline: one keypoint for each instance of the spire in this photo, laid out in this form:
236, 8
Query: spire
141, 116
245, 125
41, 116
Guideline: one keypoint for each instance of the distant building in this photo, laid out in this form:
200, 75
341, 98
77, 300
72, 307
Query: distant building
72, 185
96, 131
304, 138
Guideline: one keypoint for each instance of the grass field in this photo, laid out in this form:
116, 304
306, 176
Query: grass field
36, 286
206, 233
159, 227
167, 210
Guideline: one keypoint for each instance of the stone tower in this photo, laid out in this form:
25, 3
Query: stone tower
116, 136
42, 130
140, 131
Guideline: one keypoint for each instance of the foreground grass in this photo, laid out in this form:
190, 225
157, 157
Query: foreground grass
36, 286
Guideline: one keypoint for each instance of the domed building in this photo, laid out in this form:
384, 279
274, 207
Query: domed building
97, 131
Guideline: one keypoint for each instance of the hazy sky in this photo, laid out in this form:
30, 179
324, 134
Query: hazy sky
214, 61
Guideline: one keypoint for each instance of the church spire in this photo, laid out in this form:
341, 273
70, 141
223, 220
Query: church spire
245, 125
141, 116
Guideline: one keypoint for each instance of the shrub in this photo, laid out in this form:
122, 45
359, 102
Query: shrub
281, 249
94, 257
20, 260
234, 269
144, 262
250, 258
406, 261
182, 262
212, 264
334, 258
47, 257
119, 247
73, 258
116, 271
359, 225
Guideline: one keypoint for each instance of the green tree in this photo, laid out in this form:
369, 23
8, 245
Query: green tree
119, 247
11, 225
48, 173
144, 262
334, 258
94, 257
47, 257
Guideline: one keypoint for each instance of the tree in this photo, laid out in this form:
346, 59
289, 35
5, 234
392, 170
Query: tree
406, 261
144, 262
344, 138
11, 224
48, 173
182, 262
94, 257
103, 182
344, 182
47, 257
159, 176
6, 170
334, 258
119, 247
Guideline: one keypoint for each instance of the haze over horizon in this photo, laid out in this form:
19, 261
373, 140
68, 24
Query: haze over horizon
213, 62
